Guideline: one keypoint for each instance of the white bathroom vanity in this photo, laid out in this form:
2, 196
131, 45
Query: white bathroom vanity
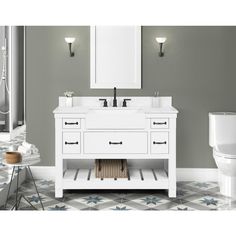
142, 134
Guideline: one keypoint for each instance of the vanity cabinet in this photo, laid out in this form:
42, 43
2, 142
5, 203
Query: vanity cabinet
149, 145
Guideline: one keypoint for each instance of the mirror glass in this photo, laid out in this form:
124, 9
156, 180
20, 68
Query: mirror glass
115, 57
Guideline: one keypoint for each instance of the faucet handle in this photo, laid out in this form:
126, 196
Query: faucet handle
125, 102
105, 101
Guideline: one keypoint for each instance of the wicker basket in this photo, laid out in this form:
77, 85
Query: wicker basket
111, 168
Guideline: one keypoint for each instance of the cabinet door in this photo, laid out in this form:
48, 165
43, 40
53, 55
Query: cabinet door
115, 57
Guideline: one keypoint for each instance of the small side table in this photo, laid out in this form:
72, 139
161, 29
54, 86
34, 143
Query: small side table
16, 167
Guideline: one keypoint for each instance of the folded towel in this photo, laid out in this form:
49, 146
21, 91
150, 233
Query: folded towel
27, 145
28, 149
34, 150
24, 150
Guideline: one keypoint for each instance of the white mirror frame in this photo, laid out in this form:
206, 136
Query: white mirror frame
97, 80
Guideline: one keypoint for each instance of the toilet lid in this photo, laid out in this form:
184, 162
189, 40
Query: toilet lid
226, 150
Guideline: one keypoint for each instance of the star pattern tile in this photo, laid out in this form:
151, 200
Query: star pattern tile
151, 201
182, 208
93, 199
60, 207
211, 202
120, 208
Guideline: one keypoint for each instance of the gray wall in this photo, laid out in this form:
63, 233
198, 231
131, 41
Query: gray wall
198, 70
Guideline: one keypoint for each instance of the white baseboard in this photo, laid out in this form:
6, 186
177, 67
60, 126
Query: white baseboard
183, 174
197, 174
43, 172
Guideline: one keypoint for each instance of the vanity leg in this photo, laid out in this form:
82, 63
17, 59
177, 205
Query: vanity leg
58, 192
172, 160
59, 160
59, 178
58, 183
172, 193
172, 178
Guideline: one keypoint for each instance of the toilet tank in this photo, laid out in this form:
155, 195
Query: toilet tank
222, 128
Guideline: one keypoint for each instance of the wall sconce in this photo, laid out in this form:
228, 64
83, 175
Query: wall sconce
70, 40
161, 41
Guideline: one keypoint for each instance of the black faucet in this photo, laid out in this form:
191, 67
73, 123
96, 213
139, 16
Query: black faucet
114, 99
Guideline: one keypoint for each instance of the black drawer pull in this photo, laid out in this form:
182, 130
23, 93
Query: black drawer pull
71, 143
159, 142
71, 123
160, 123
115, 142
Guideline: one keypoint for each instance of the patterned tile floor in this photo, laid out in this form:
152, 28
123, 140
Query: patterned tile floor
190, 196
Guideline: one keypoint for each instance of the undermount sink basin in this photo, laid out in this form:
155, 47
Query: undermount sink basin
110, 111
115, 118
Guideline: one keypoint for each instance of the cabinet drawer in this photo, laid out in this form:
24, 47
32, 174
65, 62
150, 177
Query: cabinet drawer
159, 142
115, 142
71, 142
71, 123
160, 123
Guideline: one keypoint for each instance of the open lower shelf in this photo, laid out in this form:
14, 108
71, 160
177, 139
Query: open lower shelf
137, 179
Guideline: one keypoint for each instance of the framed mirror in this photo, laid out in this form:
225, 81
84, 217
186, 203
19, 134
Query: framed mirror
115, 57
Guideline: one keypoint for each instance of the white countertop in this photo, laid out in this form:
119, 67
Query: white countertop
84, 110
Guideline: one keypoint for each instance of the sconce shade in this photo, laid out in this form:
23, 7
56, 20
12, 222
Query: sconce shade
69, 39
161, 39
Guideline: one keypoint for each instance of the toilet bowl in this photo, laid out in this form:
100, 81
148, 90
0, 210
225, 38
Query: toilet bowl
222, 138
225, 158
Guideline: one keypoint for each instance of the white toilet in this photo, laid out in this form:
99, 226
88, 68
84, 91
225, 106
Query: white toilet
222, 138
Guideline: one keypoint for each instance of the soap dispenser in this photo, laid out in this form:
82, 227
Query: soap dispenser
156, 99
